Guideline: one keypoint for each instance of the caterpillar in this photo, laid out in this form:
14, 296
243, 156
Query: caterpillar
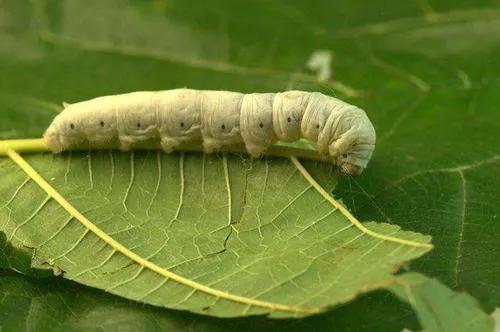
172, 119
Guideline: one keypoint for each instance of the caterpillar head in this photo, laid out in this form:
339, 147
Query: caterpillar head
354, 147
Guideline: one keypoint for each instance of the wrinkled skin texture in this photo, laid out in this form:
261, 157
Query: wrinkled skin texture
288, 109
354, 142
179, 122
83, 124
220, 119
256, 121
217, 119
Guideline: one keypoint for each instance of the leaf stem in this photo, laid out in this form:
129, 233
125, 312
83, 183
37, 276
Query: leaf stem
144, 263
23, 145
36, 145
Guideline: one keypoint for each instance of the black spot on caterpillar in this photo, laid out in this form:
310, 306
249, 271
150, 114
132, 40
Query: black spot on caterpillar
218, 119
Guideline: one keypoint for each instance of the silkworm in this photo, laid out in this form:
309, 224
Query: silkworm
217, 120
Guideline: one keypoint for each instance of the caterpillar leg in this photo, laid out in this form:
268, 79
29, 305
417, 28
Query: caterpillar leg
333, 151
325, 157
254, 150
169, 144
126, 143
211, 145
324, 153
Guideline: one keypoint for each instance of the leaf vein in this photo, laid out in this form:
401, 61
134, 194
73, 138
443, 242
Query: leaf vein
27, 220
348, 214
140, 260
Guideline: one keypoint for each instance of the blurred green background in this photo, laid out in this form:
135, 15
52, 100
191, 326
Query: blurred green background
427, 73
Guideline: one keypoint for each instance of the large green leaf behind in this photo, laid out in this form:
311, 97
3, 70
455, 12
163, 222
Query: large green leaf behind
426, 73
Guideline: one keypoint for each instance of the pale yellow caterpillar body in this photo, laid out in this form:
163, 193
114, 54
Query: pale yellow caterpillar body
218, 120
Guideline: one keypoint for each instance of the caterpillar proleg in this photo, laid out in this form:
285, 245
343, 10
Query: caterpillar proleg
217, 119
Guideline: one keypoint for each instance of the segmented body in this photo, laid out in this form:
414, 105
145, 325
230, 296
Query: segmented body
217, 119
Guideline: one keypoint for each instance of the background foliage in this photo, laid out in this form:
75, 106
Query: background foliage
426, 72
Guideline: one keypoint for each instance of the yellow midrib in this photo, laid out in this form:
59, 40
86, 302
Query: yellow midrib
31, 145
52, 192
37, 145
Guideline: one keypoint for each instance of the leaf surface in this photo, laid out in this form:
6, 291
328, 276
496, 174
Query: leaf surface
216, 235
427, 73
29, 304
439, 308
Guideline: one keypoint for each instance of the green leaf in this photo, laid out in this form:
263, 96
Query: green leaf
219, 236
57, 305
22, 260
60, 305
438, 307
427, 73
13, 258
32, 304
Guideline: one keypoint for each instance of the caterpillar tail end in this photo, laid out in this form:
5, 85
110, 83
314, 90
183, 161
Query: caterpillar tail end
51, 139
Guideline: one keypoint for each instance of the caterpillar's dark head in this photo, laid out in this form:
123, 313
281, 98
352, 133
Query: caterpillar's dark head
353, 148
